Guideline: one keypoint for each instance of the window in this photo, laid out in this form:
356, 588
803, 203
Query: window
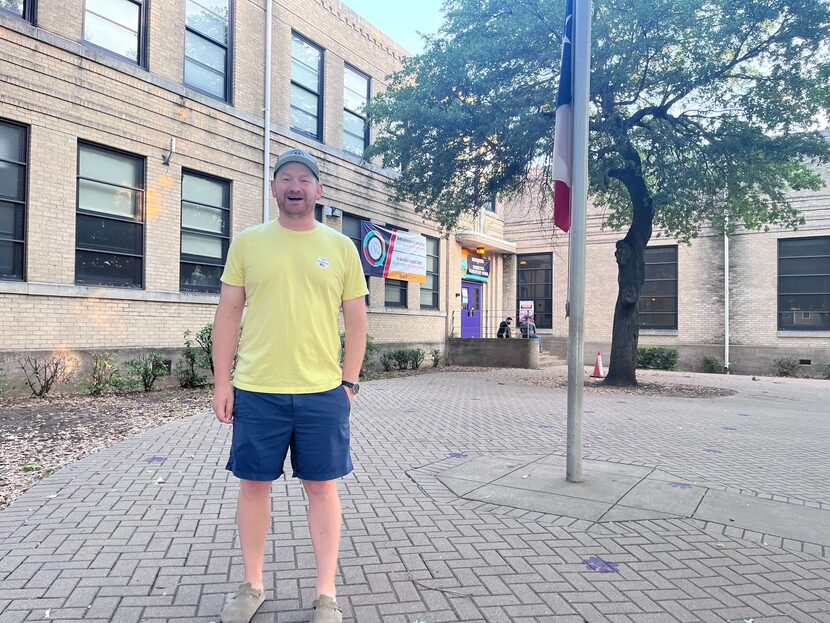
116, 26
206, 211
306, 87
13, 160
534, 277
24, 9
395, 290
355, 97
109, 237
351, 228
318, 213
804, 284
658, 297
430, 289
207, 47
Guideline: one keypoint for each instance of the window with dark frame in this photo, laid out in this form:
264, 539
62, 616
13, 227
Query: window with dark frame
395, 291
356, 91
351, 229
804, 284
306, 87
534, 282
430, 291
109, 238
24, 9
117, 27
658, 297
207, 47
14, 157
205, 235
318, 213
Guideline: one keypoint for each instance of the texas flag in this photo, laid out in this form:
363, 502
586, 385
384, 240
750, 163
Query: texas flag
563, 132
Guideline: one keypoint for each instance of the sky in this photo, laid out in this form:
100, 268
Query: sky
401, 20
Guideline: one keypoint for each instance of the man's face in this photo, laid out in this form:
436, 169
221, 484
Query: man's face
296, 189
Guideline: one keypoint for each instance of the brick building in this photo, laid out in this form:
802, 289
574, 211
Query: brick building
132, 149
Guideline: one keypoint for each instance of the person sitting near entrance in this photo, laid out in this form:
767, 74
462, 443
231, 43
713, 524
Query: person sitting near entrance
504, 328
528, 329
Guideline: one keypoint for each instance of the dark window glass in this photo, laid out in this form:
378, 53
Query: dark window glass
109, 235
116, 26
205, 236
318, 213
804, 284
13, 172
658, 297
207, 47
534, 276
355, 97
430, 290
306, 87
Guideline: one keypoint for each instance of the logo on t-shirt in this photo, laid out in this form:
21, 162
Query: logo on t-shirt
322, 262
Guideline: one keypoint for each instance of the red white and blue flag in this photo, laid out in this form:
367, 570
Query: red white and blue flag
563, 130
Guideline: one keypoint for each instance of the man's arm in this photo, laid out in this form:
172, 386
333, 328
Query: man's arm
225, 341
354, 318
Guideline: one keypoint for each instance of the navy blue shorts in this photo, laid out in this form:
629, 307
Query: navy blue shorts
314, 426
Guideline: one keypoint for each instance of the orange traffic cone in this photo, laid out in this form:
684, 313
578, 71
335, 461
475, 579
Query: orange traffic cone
599, 372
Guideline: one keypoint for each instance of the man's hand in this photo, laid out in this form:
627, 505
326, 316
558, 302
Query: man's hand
223, 402
349, 394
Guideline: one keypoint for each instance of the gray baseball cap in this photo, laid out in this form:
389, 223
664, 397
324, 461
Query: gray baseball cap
298, 155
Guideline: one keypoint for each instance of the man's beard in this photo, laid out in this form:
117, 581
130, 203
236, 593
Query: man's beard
294, 209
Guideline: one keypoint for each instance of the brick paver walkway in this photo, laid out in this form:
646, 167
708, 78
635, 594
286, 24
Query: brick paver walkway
144, 531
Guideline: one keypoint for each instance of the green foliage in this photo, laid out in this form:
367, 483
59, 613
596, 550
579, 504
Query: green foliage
191, 356
368, 356
657, 357
703, 109
147, 368
713, 365
204, 338
403, 359
827, 371
436, 357
104, 375
4, 382
41, 375
786, 366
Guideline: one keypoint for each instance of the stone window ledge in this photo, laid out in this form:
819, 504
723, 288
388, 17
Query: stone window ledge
123, 294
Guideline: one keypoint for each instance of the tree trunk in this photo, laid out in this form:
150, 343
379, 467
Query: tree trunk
622, 369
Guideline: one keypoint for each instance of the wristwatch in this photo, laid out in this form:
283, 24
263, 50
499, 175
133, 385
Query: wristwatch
352, 387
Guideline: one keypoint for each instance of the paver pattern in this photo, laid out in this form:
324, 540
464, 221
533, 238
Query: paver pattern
144, 531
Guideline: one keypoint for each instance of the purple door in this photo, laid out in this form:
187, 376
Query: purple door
470, 309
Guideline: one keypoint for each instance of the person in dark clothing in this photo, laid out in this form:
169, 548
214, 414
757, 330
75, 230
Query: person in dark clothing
504, 328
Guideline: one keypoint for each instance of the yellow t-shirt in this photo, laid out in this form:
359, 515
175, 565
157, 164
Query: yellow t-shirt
295, 282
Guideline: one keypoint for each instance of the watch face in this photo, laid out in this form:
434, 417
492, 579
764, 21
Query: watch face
355, 388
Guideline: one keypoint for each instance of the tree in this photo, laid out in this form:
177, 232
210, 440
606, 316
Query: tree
701, 114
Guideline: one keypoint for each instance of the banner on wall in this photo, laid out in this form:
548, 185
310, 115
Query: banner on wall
526, 310
475, 268
393, 254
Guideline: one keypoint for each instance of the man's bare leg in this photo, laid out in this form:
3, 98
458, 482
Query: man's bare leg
253, 517
324, 519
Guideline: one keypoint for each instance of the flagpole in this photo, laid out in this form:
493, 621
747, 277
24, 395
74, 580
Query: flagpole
576, 260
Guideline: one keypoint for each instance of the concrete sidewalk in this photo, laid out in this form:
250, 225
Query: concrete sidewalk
692, 510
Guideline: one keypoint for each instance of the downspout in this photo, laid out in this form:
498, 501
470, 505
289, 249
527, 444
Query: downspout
266, 143
726, 301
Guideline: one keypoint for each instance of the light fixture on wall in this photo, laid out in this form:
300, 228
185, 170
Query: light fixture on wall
334, 211
168, 156
480, 250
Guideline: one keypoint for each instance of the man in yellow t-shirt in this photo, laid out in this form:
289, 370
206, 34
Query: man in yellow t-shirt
288, 390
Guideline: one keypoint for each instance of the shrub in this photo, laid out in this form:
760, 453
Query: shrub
191, 356
436, 357
713, 365
204, 338
147, 368
368, 356
42, 374
4, 382
387, 361
786, 366
657, 357
104, 375
401, 358
416, 357
826, 374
